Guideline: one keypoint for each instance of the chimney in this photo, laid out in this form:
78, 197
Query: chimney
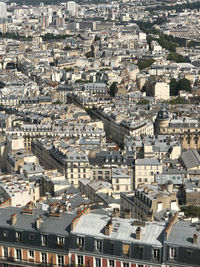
127, 214
150, 216
13, 219
116, 212
109, 227
195, 239
38, 222
138, 233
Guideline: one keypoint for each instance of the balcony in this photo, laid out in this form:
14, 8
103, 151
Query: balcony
13, 261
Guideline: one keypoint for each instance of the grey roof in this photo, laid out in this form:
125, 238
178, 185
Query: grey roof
27, 221
177, 237
123, 229
191, 159
148, 161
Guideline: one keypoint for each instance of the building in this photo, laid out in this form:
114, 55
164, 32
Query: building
71, 8
150, 200
3, 10
145, 170
186, 128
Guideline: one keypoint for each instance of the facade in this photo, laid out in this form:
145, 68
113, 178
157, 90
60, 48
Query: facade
28, 237
73, 163
149, 200
187, 129
145, 170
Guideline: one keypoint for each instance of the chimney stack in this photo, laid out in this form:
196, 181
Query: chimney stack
38, 222
109, 227
116, 212
138, 233
195, 239
13, 219
127, 214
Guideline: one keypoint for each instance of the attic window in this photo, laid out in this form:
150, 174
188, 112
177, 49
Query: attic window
5, 233
31, 236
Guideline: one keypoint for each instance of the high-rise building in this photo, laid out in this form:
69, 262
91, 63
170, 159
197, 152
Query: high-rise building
3, 10
71, 8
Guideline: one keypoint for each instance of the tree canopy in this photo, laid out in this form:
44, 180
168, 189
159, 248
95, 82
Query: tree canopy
145, 63
177, 57
113, 89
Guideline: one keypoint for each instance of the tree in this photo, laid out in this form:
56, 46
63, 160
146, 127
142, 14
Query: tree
177, 57
184, 84
173, 87
191, 211
177, 101
113, 89
143, 101
142, 63
89, 54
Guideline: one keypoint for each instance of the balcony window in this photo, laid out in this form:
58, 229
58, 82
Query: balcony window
44, 257
80, 260
98, 262
31, 254
5, 252
125, 264
60, 260
18, 254
111, 263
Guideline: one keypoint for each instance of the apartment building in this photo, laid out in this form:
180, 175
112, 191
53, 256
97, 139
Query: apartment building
145, 170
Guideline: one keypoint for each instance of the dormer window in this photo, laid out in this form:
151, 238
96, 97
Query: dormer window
80, 242
18, 236
43, 240
98, 245
60, 240
172, 253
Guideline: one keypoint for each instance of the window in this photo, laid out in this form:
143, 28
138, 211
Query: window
140, 254
126, 248
188, 253
44, 257
5, 252
172, 253
111, 247
117, 187
140, 265
5, 233
100, 172
60, 241
31, 236
18, 254
125, 264
31, 254
43, 240
80, 260
156, 254
111, 263
18, 236
98, 262
80, 241
98, 245
60, 260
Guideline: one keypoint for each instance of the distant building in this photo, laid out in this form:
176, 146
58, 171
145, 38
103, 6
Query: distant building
3, 10
71, 7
